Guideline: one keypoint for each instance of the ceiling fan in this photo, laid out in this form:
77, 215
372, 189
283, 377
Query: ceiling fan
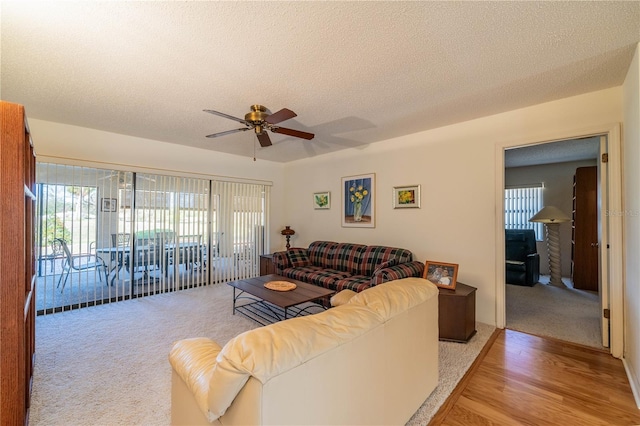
260, 121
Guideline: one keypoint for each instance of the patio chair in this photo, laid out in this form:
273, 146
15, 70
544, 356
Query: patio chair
56, 253
79, 262
189, 251
147, 253
120, 240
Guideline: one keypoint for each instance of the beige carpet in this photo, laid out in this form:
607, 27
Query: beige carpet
107, 365
563, 313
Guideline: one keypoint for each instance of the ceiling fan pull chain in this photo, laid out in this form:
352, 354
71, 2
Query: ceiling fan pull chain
254, 148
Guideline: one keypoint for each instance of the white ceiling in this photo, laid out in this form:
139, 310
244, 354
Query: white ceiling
354, 72
553, 152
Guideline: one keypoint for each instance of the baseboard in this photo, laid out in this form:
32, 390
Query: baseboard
635, 386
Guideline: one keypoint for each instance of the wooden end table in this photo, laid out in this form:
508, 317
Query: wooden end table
457, 313
266, 306
266, 264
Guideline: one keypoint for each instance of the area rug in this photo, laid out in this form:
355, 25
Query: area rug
108, 364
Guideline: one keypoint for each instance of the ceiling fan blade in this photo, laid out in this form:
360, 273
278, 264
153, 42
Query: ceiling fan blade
292, 132
230, 117
264, 139
282, 115
228, 132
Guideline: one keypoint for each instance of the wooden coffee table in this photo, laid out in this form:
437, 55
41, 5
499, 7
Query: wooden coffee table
268, 306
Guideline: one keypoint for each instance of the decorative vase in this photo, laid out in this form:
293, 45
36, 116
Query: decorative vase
357, 212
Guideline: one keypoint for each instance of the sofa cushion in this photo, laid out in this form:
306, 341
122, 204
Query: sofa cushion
395, 297
315, 275
342, 297
374, 255
356, 283
321, 253
386, 264
298, 257
347, 257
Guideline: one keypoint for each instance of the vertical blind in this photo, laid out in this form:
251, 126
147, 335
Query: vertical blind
137, 234
520, 204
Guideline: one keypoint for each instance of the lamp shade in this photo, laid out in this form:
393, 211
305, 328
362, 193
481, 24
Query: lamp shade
550, 214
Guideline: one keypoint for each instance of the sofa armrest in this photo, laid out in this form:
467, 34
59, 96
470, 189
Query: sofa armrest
397, 272
280, 262
194, 361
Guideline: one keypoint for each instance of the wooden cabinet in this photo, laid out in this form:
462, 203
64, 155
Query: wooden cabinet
266, 265
17, 264
457, 313
584, 233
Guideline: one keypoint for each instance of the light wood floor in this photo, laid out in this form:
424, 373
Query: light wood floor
520, 379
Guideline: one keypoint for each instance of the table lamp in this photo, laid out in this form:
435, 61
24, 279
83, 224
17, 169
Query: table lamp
288, 232
552, 217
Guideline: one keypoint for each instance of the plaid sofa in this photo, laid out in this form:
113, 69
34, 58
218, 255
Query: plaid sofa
340, 266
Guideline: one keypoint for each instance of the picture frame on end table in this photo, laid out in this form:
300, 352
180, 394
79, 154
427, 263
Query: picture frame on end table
406, 197
358, 201
444, 275
322, 200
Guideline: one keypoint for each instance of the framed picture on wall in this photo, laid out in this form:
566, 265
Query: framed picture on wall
444, 275
109, 205
406, 197
358, 201
322, 200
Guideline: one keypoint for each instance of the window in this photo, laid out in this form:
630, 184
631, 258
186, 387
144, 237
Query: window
520, 204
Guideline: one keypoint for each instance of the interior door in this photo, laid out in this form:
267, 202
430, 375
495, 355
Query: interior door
603, 240
585, 235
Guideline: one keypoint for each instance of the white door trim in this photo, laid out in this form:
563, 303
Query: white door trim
616, 260
603, 238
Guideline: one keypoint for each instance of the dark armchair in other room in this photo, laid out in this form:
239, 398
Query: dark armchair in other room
523, 260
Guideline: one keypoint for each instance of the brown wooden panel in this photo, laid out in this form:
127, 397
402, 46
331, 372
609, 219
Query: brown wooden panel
585, 240
17, 264
457, 313
266, 265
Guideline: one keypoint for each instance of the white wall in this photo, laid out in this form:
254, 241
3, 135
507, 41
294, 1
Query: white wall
631, 169
71, 144
458, 169
558, 192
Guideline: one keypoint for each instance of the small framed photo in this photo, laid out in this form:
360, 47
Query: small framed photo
322, 200
406, 197
444, 275
109, 205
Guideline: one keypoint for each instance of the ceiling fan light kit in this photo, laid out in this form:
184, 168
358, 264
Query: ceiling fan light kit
259, 120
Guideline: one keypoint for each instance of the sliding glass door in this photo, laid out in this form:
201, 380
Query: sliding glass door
136, 234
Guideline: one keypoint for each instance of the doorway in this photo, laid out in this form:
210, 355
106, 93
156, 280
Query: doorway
536, 306
611, 258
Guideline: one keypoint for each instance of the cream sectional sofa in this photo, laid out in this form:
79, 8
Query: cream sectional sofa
371, 360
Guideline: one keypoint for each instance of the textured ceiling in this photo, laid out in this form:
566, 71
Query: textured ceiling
354, 72
553, 152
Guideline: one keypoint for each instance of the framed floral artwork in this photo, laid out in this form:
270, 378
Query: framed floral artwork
406, 197
322, 200
358, 201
